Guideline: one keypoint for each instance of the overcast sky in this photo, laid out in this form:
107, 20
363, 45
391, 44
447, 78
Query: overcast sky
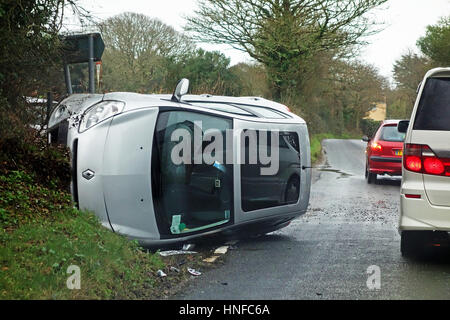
405, 21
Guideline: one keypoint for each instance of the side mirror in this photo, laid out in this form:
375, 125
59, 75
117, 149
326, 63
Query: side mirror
181, 89
365, 139
403, 126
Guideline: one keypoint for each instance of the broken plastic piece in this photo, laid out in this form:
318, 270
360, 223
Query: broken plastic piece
211, 259
175, 252
188, 246
221, 250
174, 269
161, 274
194, 272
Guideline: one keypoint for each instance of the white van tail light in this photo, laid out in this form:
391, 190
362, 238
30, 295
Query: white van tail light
421, 159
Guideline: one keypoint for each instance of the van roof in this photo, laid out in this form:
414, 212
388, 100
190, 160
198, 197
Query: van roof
438, 72
255, 108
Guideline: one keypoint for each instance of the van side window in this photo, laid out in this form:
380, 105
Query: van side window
433, 112
259, 190
190, 195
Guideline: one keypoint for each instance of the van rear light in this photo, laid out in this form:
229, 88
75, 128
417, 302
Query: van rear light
420, 158
413, 163
413, 196
433, 166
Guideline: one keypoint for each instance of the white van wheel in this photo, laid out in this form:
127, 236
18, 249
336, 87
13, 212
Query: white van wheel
413, 242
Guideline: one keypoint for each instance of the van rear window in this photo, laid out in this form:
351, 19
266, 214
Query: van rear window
433, 112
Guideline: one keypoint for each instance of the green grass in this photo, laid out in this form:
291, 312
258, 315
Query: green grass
316, 142
41, 235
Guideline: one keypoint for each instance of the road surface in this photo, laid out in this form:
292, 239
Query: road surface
349, 227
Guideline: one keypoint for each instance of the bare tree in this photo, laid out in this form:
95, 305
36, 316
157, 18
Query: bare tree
283, 34
138, 48
137, 35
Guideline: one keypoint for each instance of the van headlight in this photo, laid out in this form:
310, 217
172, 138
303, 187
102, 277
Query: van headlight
57, 115
99, 112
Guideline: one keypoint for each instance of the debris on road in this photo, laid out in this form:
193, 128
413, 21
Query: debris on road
211, 259
221, 250
188, 246
194, 272
174, 269
161, 274
175, 252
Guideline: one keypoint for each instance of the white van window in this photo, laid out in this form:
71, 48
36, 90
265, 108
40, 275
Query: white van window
224, 107
433, 112
267, 113
266, 191
189, 197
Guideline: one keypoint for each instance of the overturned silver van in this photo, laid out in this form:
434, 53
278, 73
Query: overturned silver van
162, 169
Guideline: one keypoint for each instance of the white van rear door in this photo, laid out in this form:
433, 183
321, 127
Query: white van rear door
432, 128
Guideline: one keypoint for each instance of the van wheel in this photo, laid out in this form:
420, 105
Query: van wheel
292, 190
413, 242
370, 177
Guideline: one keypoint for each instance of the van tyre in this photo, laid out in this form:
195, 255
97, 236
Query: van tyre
413, 243
292, 190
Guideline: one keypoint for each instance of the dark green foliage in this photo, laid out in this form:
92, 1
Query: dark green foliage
49, 164
29, 54
410, 69
436, 43
208, 72
369, 127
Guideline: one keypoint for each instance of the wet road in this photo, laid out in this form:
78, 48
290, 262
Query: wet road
325, 254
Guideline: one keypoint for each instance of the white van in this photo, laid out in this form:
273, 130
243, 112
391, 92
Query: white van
425, 187
128, 168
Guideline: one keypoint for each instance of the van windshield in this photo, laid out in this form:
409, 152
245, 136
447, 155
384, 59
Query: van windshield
433, 112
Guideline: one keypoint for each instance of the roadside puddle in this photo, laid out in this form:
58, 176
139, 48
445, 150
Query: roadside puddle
342, 175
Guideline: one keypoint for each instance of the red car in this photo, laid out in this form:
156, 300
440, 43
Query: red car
384, 151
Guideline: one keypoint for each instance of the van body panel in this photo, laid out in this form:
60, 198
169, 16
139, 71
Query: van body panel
126, 173
432, 210
117, 155
303, 170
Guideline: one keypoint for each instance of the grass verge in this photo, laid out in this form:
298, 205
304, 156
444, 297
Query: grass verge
41, 235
